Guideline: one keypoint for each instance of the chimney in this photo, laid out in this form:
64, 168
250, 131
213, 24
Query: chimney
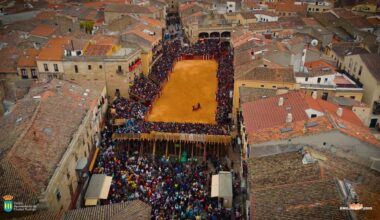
339, 112
281, 101
314, 95
289, 118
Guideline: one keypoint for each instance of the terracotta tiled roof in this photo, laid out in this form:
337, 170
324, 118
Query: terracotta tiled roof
263, 125
248, 94
43, 30
46, 15
40, 215
97, 50
310, 22
374, 21
359, 22
54, 49
248, 15
331, 108
265, 26
290, 6
135, 9
131, 210
95, 5
372, 61
270, 75
152, 22
186, 6
51, 131
8, 59
282, 187
104, 40
320, 64
257, 117
314, 72
29, 58
141, 31
345, 49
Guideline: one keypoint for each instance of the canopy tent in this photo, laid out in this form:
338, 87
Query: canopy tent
98, 188
221, 187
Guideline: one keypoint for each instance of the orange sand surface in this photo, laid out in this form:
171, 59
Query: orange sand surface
191, 81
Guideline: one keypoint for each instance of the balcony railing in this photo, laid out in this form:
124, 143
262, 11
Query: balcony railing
134, 66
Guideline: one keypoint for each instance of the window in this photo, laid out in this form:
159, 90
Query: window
313, 115
55, 67
89, 67
360, 70
119, 69
100, 67
34, 73
352, 97
273, 87
69, 29
262, 86
46, 67
306, 79
326, 80
24, 74
319, 80
317, 9
58, 194
76, 68
68, 175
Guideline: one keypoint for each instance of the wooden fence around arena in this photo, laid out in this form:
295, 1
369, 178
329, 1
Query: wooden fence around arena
180, 137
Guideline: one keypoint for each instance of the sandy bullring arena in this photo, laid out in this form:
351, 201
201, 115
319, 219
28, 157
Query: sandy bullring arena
190, 83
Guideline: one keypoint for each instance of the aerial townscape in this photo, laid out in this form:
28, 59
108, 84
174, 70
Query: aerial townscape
185, 109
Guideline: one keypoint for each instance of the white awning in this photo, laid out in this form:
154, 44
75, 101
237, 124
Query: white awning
98, 188
221, 185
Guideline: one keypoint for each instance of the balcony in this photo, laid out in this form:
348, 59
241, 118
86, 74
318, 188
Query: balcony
135, 65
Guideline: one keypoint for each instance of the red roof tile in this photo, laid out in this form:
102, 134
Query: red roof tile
97, 50
290, 6
46, 15
263, 125
54, 49
257, 117
43, 30
319, 64
28, 59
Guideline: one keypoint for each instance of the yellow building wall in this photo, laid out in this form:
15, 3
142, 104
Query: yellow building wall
371, 85
358, 95
332, 93
146, 60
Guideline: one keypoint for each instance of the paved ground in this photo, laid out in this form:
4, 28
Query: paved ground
191, 82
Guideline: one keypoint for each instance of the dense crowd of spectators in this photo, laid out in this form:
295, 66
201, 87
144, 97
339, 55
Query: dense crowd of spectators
225, 85
147, 90
126, 108
163, 66
144, 89
174, 189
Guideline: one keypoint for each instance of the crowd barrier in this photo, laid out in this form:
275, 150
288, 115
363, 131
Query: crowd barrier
181, 137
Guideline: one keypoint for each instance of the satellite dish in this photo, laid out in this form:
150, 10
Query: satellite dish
314, 42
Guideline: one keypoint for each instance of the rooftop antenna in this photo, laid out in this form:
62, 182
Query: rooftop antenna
313, 43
